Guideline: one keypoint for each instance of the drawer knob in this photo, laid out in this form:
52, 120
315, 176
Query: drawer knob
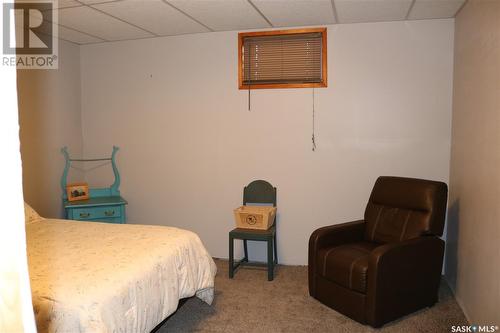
84, 215
109, 213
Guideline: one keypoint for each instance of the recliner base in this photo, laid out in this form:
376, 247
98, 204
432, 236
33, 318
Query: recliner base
348, 302
354, 304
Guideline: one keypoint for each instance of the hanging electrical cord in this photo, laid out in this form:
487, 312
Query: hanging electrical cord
249, 73
313, 123
248, 96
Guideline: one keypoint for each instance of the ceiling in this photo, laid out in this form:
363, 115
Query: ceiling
97, 21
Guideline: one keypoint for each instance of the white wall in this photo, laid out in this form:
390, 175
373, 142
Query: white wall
474, 228
189, 144
49, 117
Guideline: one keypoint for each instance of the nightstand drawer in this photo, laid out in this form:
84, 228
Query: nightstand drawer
117, 220
92, 213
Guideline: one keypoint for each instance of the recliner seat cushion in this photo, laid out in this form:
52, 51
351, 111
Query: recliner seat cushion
346, 265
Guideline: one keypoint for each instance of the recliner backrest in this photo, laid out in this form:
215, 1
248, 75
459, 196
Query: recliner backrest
405, 208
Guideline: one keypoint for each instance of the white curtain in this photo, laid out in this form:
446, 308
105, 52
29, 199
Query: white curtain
16, 310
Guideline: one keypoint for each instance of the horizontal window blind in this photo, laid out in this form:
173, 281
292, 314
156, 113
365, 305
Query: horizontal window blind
288, 58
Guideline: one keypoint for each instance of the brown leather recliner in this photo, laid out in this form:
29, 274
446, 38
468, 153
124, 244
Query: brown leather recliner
389, 264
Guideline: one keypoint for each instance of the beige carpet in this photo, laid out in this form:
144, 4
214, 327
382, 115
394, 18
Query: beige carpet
249, 303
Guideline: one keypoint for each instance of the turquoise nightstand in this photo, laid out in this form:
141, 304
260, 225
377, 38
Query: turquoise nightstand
103, 205
99, 209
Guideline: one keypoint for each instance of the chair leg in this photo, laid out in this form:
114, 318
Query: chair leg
270, 261
245, 249
231, 257
275, 251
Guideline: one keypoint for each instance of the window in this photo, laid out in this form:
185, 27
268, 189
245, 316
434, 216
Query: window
282, 59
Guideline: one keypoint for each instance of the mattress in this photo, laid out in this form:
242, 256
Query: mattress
101, 277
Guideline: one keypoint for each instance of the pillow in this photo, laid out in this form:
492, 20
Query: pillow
30, 215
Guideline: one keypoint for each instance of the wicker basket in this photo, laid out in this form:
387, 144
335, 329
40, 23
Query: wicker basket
254, 217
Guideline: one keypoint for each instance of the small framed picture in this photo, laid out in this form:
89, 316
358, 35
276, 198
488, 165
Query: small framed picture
77, 191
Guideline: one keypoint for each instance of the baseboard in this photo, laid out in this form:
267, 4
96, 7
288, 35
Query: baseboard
457, 299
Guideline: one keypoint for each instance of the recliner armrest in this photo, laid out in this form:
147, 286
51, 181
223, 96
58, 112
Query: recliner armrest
337, 234
397, 271
333, 235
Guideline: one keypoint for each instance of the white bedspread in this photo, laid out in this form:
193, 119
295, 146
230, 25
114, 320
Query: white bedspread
99, 277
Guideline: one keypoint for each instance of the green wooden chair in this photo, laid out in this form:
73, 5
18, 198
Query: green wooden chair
261, 192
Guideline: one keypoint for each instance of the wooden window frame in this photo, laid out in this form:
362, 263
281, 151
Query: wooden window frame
324, 66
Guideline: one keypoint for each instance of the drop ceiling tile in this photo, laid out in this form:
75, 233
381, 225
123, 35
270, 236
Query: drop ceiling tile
284, 13
63, 32
153, 15
93, 2
76, 37
68, 3
430, 9
222, 15
353, 11
95, 23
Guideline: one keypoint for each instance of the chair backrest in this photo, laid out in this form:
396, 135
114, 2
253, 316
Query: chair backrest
404, 208
259, 191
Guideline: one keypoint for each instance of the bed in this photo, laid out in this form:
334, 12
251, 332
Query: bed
101, 277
